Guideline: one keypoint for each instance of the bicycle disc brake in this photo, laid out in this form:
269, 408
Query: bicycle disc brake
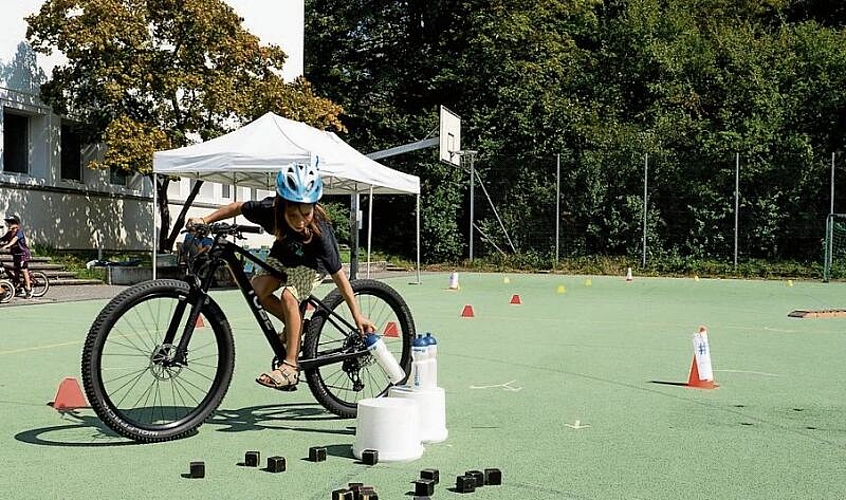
162, 365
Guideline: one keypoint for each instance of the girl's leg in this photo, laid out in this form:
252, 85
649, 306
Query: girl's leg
265, 286
293, 324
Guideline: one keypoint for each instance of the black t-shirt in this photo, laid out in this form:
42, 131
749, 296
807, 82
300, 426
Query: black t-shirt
321, 253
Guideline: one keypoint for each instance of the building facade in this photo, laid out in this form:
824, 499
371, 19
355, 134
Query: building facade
43, 174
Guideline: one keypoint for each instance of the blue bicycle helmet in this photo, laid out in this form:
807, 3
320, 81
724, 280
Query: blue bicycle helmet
300, 182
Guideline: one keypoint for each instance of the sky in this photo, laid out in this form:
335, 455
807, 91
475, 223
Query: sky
279, 22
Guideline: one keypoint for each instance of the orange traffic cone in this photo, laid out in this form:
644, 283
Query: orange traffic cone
69, 396
200, 322
467, 312
515, 299
694, 381
391, 330
629, 275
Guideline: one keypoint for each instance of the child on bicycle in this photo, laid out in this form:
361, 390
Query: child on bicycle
15, 241
305, 250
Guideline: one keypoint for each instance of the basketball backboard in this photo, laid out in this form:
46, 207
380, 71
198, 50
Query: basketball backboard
450, 134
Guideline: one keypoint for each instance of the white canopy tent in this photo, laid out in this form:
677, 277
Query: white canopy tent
252, 155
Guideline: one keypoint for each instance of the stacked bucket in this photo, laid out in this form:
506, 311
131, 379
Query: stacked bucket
412, 414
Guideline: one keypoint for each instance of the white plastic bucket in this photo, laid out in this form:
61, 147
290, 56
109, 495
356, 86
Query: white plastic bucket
431, 407
390, 426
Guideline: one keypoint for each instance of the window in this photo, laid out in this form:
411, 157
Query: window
71, 154
15, 143
225, 191
118, 176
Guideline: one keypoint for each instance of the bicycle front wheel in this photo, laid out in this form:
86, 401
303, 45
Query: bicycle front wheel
131, 378
340, 386
39, 283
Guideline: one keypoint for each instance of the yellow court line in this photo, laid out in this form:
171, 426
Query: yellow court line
39, 348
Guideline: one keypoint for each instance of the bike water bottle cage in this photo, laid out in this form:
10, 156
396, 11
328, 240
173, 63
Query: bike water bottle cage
300, 182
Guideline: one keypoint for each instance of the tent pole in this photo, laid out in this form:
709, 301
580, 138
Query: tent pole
418, 240
155, 234
369, 227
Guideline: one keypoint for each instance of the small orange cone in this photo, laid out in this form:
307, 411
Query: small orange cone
391, 330
69, 396
467, 312
629, 275
515, 299
200, 322
694, 381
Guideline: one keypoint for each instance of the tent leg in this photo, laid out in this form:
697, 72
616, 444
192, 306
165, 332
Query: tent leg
418, 244
369, 228
155, 220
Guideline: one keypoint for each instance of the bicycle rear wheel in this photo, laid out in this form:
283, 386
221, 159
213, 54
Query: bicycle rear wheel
130, 376
39, 283
340, 386
7, 291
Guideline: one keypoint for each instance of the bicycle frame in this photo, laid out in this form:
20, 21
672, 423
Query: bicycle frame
225, 252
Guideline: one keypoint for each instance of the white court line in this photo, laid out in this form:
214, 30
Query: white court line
506, 386
751, 372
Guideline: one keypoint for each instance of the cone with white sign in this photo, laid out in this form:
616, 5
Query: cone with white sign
701, 374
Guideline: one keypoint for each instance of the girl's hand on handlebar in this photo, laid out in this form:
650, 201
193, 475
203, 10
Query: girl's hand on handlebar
194, 221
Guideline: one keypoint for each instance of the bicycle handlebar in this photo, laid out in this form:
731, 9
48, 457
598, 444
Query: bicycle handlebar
218, 228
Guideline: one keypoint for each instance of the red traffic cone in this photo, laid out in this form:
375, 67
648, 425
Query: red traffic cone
515, 299
391, 330
69, 396
693, 379
467, 312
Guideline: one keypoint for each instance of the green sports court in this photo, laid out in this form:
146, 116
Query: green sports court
578, 392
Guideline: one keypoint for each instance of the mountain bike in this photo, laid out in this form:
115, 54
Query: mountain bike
152, 374
37, 280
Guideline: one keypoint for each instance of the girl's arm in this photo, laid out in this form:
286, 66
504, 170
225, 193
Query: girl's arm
224, 212
9, 245
362, 322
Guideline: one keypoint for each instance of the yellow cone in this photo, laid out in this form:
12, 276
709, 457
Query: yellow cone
588, 282
506, 280
789, 282
561, 289
695, 277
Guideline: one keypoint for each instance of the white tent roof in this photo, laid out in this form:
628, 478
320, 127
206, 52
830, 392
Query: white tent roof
252, 155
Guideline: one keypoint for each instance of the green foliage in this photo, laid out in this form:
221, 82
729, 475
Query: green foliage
689, 83
144, 75
339, 214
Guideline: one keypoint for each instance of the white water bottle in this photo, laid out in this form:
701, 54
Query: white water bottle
431, 361
385, 359
419, 355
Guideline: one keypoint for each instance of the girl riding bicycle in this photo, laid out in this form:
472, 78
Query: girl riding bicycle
305, 250
15, 241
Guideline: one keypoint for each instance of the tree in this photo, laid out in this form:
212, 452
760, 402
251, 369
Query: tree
145, 75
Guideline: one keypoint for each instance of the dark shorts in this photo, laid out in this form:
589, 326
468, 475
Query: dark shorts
20, 262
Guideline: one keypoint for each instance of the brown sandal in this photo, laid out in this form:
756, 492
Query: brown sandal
284, 378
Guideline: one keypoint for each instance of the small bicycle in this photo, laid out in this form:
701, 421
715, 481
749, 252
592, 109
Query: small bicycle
152, 374
7, 291
37, 280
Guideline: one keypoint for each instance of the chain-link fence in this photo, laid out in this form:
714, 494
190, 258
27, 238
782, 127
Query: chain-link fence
652, 206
